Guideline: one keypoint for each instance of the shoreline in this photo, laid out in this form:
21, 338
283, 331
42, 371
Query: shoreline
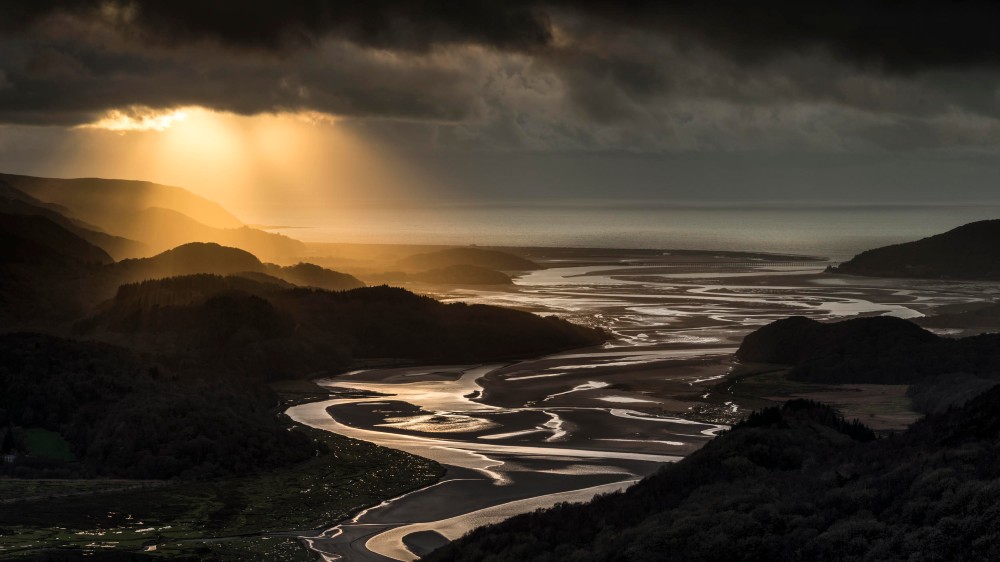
608, 467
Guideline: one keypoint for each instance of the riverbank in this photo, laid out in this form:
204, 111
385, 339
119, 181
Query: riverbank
257, 517
500, 461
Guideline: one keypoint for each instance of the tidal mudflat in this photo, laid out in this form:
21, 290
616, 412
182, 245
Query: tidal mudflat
528, 434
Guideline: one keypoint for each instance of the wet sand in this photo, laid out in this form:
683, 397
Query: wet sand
518, 436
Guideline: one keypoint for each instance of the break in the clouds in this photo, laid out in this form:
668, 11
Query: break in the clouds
525, 75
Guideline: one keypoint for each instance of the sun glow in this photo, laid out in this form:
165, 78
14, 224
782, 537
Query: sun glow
296, 167
137, 118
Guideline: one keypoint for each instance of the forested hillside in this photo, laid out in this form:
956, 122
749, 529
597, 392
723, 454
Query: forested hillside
266, 331
123, 416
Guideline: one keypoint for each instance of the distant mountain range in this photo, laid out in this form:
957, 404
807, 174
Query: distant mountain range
16, 202
104, 201
971, 251
137, 219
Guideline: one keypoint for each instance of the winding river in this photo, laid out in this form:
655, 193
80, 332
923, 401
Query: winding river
526, 435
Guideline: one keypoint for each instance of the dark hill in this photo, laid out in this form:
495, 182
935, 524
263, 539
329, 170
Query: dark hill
15, 202
311, 275
196, 257
971, 251
261, 330
491, 259
462, 275
192, 289
157, 216
38, 240
790, 483
10, 193
881, 349
166, 228
43, 268
122, 416
105, 201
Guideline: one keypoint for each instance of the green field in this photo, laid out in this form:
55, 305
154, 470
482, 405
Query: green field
233, 519
48, 444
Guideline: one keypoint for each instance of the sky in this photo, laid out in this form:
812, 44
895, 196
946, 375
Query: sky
315, 104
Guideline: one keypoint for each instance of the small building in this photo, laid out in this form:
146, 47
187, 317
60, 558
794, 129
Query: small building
9, 458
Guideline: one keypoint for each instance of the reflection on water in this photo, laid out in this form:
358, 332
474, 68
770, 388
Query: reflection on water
439, 423
580, 422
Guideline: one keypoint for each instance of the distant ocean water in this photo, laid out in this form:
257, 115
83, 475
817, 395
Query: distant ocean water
836, 232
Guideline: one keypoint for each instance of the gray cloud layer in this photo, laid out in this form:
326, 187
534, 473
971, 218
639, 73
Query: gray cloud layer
524, 75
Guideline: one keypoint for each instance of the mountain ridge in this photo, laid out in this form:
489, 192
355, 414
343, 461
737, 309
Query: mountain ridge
970, 251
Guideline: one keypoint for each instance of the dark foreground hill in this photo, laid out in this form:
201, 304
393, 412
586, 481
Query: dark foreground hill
792, 483
267, 331
971, 251
114, 414
878, 350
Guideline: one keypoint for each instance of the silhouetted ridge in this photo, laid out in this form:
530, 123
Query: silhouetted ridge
868, 350
43, 268
311, 275
266, 331
196, 257
166, 228
462, 275
151, 217
189, 289
491, 259
9, 194
15, 202
971, 251
104, 201
35, 239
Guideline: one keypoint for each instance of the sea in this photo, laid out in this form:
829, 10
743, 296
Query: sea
836, 232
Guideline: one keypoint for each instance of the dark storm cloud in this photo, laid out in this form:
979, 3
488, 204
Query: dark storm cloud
283, 25
527, 74
895, 35
898, 35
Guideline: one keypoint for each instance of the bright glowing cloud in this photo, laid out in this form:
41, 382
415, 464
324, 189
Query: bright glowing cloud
294, 167
137, 118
